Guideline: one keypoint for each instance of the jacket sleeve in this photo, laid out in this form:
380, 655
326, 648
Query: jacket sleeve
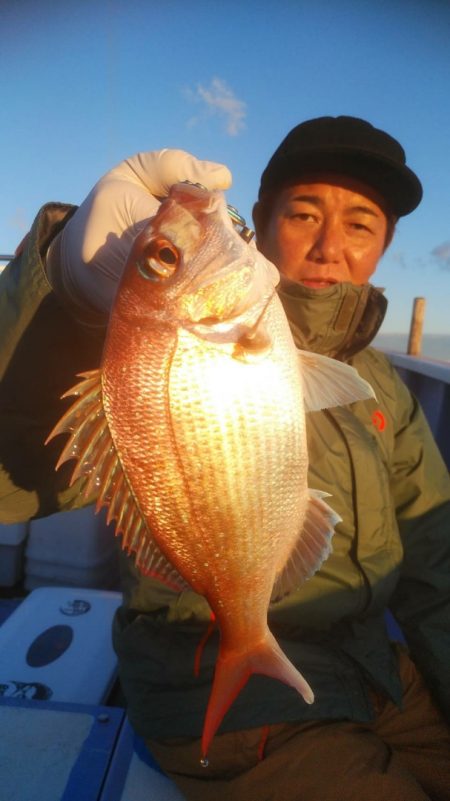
42, 348
421, 489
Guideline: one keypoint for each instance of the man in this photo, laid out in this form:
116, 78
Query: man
327, 207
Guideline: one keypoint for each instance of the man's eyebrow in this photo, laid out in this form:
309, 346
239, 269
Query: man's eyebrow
364, 210
308, 199
318, 201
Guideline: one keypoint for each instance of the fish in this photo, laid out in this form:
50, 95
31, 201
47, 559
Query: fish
192, 433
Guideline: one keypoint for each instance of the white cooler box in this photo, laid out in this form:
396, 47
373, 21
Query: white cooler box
134, 775
57, 646
73, 549
51, 752
12, 546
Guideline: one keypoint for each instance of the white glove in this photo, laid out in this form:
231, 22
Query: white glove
86, 259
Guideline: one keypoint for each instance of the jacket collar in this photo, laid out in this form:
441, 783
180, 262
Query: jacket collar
337, 322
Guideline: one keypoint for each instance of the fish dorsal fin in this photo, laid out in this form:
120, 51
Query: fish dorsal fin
312, 547
98, 462
328, 382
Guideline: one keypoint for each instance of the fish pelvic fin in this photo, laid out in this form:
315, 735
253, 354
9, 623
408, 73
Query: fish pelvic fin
312, 548
329, 382
233, 670
98, 464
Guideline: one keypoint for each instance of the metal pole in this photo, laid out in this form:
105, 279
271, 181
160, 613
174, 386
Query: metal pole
416, 329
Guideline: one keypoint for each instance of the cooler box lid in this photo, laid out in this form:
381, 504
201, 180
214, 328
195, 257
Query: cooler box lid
57, 646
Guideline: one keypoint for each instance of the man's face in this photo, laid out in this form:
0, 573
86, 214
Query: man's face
324, 230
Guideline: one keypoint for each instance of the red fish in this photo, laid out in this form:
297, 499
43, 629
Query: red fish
193, 432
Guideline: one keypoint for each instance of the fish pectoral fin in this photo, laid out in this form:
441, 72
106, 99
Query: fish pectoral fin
328, 382
312, 547
97, 462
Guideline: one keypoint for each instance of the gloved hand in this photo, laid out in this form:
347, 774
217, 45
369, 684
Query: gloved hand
86, 259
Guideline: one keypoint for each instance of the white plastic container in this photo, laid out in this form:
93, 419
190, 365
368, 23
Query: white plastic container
134, 775
50, 752
57, 646
72, 549
46, 574
12, 545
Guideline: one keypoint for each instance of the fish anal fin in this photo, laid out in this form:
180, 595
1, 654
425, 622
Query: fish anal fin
329, 382
233, 670
97, 462
312, 547
155, 565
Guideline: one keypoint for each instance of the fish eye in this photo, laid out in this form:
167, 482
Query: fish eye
159, 261
168, 255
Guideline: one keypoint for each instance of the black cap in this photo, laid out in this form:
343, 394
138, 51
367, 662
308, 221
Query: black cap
349, 146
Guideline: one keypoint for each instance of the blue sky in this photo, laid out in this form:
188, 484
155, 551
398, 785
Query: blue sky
85, 84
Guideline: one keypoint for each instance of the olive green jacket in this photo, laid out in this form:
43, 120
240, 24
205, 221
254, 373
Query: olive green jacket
376, 458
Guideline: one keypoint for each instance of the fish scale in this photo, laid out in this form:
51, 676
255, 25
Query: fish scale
240, 450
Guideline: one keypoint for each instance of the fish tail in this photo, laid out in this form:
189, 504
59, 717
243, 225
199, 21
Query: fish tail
233, 669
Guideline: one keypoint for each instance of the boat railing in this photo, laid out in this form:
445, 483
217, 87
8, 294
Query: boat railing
429, 381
